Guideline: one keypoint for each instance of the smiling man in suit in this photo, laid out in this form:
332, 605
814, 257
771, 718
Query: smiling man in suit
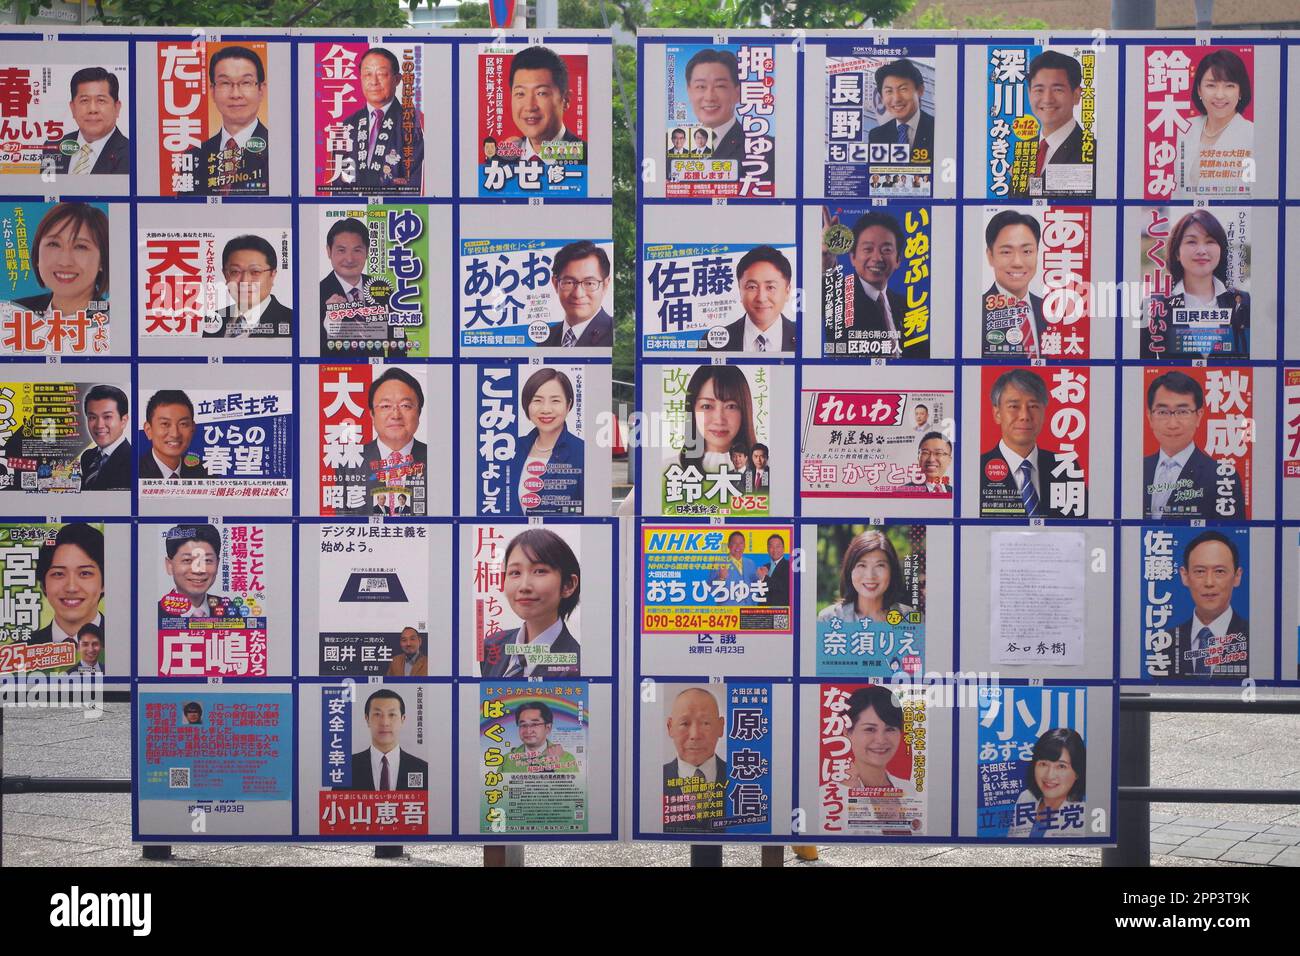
1011, 245
899, 84
1206, 643
580, 275
169, 426
1180, 480
879, 313
106, 466
97, 147
379, 140
384, 765
234, 159
763, 277
248, 264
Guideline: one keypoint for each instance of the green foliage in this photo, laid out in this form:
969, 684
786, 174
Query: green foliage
473, 16
935, 17
257, 13
780, 14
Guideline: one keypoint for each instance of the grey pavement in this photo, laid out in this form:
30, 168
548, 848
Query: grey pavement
1188, 750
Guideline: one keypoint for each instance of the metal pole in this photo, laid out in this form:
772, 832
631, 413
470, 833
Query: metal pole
1132, 817
1133, 14
706, 854
503, 854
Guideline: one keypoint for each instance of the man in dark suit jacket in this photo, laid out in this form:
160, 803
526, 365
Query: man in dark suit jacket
899, 84
875, 256
580, 276
95, 109
1180, 480
385, 714
713, 87
763, 279
169, 426
244, 166
1011, 241
107, 465
380, 153
694, 725
778, 573
1019, 398
1211, 571
1055, 83
249, 266
496, 662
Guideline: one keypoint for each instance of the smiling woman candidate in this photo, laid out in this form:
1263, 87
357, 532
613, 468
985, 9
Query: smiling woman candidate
542, 583
1055, 783
550, 452
719, 415
1218, 142
70, 258
871, 581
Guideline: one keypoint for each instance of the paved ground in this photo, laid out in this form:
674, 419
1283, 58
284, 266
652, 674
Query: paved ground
1188, 750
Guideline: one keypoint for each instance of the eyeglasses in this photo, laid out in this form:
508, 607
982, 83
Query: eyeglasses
255, 274
244, 86
936, 454
589, 286
1164, 414
532, 724
405, 408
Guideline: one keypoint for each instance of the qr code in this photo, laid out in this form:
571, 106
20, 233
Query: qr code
415, 780
178, 778
28, 480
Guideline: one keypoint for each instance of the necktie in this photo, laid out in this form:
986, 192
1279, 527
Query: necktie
1042, 157
699, 775
96, 462
1028, 495
760, 343
570, 340
1164, 487
375, 119
1027, 330
83, 160
384, 782
902, 133
354, 294
1203, 638
231, 145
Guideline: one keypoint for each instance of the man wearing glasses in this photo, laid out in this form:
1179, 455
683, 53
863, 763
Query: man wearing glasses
536, 754
1181, 480
580, 274
935, 456
396, 460
248, 264
234, 161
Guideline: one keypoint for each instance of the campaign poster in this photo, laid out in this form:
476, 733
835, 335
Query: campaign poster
1195, 603
64, 119
532, 432
733, 579
369, 118
374, 287
525, 594
1032, 762
871, 601
1034, 442
55, 283
45, 445
533, 740
513, 295
1198, 124
1037, 277
719, 297
1041, 122
231, 443
872, 745
876, 281
879, 120
373, 600
1195, 268
374, 458
375, 745
52, 588
720, 121
716, 420
534, 121
213, 605
213, 112
214, 749
1198, 430
860, 443
717, 777
1291, 423
215, 282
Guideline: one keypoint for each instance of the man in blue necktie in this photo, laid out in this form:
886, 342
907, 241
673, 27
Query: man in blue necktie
1016, 476
1214, 641
107, 466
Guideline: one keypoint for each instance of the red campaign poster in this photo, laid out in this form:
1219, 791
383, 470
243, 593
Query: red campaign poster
1034, 442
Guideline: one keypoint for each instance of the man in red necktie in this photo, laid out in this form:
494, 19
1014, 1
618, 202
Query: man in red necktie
1055, 89
1010, 310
